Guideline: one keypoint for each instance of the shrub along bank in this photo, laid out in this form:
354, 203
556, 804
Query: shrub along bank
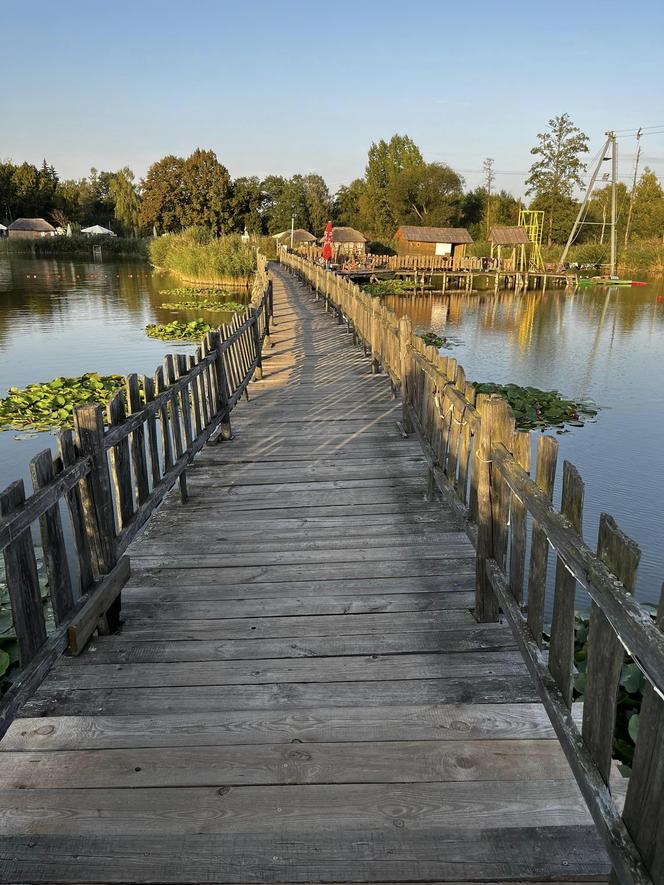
196, 255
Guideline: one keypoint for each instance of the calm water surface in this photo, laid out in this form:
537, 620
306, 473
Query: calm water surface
605, 345
68, 317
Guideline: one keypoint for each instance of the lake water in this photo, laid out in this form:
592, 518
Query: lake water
601, 344
69, 317
62, 317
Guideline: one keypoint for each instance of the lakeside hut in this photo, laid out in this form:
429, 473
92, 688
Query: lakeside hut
96, 230
513, 238
30, 229
446, 241
347, 241
301, 237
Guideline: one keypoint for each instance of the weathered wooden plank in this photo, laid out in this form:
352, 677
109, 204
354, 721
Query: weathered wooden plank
561, 646
518, 518
382, 855
61, 590
291, 696
84, 623
545, 473
120, 462
67, 454
138, 456
22, 581
605, 651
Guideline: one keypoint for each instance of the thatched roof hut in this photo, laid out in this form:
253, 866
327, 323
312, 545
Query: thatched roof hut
432, 240
508, 236
347, 241
300, 236
30, 227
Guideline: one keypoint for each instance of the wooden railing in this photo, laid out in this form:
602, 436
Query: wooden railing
112, 471
482, 465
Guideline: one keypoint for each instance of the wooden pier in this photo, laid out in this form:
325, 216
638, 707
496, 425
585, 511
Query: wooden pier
312, 682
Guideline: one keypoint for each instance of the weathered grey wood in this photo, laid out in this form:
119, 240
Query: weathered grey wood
486, 605
518, 519
180, 361
605, 650
176, 428
643, 813
120, 463
164, 421
195, 399
101, 598
61, 591
545, 473
151, 421
22, 581
222, 384
67, 453
561, 646
138, 457
96, 490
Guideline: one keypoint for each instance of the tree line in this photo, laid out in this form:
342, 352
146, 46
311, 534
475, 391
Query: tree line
398, 187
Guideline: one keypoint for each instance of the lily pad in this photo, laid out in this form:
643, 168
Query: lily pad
534, 408
179, 331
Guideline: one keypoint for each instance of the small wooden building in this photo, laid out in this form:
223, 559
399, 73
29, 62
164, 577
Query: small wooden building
30, 229
513, 238
446, 241
347, 241
301, 237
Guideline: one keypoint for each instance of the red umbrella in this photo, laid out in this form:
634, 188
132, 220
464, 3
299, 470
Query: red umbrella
327, 244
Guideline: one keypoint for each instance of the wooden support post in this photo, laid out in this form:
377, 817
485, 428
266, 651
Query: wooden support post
518, 515
174, 415
96, 490
120, 463
225, 431
53, 542
605, 651
141, 483
153, 445
258, 375
375, 363
67, 453
545, 474
405, 343
561, 648
486, 604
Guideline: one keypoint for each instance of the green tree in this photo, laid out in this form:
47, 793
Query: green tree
247, 205
386, 161
163, 195
346, 206
206, 192
559, 169
428, 194
317, 201
126, 200
648, 214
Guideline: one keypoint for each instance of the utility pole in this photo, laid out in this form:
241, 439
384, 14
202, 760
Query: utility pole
488, 179
614, 175
292, 230
633, 193
586, 198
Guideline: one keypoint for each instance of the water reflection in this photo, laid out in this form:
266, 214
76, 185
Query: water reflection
605, 345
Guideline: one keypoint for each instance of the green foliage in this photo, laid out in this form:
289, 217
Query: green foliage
644, 255
51, 404
534, 408
187, 298
427, 194
221, 258
387, 287
267, 246
126, 200
75, 245
376, 247
559, 168
179, 331
431, 339
305, 196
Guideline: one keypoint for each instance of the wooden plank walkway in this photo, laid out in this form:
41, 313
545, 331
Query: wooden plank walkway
299, 692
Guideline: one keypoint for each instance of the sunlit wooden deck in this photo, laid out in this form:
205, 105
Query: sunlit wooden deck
300, 692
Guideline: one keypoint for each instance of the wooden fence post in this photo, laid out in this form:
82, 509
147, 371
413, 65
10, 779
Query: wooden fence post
545, 474
96, 489
486, 604
405, 339
257, 345
225, 430
375, 363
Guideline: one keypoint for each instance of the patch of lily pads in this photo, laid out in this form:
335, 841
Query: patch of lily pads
388, 287
178, 330
49, 405
538, 409
191, 298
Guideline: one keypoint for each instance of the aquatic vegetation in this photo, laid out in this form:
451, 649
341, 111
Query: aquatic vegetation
534, 408
50, 404
431, 339
179, 331
194, 298
388, 287
189, 255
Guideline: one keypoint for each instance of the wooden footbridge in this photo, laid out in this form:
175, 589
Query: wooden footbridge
328, 666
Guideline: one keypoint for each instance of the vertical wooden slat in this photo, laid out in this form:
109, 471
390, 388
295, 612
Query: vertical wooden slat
96, 490
405, 338
174, 414
23, 581
257, 344
195, 399
67, 452
643, 812
561, 649
153, 445
164, 422
518, 514
605, 651
456, 427
486, 604
120, 463
502, 431
225, 432
200, 386
180, 362
545, 474
141, 483
210, 392
60, 586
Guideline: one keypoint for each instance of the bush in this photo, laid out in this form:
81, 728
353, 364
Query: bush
376, 247
218, 259
76, 245
644, 255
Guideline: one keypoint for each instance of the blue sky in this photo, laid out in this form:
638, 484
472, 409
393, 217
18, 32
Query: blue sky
300, 87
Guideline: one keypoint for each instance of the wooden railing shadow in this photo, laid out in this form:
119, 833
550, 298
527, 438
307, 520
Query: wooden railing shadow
109, 475
482, 465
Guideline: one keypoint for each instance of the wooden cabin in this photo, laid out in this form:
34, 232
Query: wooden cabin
514, 239
445, 241
347, 241
301, 237
30, 229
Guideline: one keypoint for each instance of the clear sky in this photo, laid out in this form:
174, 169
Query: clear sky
283, 87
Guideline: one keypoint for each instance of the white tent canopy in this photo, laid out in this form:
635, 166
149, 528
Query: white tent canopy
97, 230
2, 227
